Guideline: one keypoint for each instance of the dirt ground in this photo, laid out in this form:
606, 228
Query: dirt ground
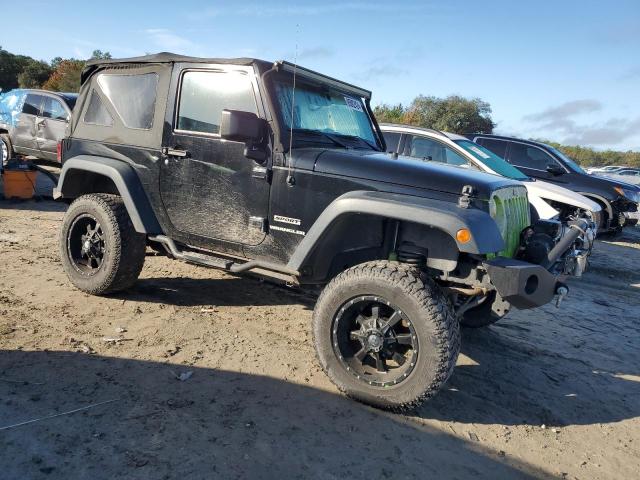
544, 393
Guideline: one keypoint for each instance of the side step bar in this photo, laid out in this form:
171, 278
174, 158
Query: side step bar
215, 262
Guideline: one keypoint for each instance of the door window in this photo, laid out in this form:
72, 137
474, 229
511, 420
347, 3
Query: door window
392, 140
203, 96
428, 149
32, 104
528, 156
499, 147
53, 109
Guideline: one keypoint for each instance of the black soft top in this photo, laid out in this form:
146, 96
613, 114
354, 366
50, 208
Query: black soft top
263, 66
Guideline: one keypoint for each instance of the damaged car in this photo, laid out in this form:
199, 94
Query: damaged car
271, 168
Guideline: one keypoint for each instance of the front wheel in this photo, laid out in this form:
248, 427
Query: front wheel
99, 247
384, 336
6, 149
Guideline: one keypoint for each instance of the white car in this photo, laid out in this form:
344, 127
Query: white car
550, 201
603, 170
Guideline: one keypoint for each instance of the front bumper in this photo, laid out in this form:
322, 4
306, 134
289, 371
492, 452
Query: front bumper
524, 285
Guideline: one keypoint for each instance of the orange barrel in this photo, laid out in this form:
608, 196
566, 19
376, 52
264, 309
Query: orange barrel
19, 183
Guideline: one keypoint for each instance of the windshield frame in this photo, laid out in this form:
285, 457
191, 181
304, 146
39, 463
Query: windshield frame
317, 81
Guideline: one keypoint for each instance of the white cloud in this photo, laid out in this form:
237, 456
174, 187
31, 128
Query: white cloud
560, 123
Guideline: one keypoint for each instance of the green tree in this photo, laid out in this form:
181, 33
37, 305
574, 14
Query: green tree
34, 75
10, 68
451, 114
389, 113
100, 55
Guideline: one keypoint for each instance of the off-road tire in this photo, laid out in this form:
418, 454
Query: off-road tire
431, 314
4, 139
124, 251
480, 316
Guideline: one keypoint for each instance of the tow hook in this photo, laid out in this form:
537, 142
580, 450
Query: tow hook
561, 292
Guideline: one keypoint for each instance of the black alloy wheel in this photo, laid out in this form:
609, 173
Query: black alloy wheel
86, 244
375, 341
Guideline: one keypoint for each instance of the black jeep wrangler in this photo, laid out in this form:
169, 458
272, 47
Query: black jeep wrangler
246, 165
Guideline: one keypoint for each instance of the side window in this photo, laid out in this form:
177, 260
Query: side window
529, 157
32, 104
392, 140
97, 113
428, 149
499, 147
203, 96
132, 96
53, 109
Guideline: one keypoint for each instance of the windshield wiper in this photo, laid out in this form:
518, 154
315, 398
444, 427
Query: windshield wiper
324, 134
364, 140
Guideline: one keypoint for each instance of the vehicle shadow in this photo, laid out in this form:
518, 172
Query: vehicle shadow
514, 381
216, 424
227, 291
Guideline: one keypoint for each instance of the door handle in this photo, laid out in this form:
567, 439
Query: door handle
175, 152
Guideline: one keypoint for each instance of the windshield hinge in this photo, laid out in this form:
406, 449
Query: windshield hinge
465, 198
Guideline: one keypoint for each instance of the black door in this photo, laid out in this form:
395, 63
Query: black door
209, 188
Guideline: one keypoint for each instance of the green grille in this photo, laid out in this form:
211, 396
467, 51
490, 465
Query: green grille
510, 209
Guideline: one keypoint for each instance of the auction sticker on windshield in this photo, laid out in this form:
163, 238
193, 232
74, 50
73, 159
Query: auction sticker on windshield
477, 151
353, 104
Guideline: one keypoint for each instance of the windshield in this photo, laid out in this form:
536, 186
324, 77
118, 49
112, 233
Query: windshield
491, 160
325, 114
570, 163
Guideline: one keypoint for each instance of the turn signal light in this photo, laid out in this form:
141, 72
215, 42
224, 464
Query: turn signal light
463, 235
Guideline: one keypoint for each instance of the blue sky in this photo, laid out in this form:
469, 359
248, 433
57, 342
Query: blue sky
564, 70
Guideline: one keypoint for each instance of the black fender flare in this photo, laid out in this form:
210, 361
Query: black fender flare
126, 182
446, 216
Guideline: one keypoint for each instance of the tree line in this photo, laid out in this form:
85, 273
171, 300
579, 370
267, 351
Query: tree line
454, 113
59, 75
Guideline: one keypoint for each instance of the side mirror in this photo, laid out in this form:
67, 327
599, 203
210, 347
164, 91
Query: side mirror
246, 127
243, 127
555, 170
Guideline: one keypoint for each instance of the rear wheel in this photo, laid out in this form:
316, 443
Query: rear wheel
384, 336
100, 250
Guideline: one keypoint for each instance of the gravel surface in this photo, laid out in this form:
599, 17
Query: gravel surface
543, 393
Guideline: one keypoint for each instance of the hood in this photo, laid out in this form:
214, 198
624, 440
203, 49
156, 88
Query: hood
550, 191
406, 171
606, 185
